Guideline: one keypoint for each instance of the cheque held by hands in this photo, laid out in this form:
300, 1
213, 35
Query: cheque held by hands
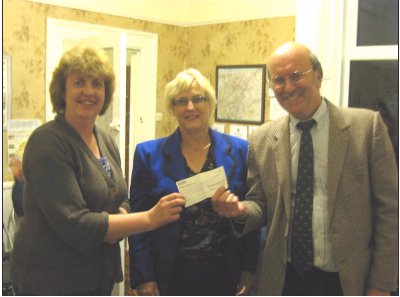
212, 184
202, 186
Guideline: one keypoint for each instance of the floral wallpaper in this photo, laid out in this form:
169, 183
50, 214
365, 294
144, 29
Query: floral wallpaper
236, 43
24, 38
202, 47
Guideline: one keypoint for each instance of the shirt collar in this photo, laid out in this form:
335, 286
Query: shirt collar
319, 116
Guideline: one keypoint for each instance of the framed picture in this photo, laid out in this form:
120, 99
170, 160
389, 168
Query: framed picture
6, 90
240, 91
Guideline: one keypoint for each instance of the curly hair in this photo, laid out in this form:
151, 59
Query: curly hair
87, 61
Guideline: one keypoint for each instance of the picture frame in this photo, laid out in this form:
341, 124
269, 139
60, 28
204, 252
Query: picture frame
7, 88
240, 91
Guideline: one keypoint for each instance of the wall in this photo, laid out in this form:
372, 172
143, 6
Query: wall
204, 47
24, 32
236, 43
24, 28
185, 12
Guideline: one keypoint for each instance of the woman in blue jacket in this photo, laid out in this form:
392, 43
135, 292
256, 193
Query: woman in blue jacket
198, 254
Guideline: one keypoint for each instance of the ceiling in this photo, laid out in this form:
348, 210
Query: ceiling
184, 12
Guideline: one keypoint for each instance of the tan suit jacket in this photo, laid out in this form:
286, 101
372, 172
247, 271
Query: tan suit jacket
362, 189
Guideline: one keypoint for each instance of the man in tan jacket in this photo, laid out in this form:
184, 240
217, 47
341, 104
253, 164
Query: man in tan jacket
353, 219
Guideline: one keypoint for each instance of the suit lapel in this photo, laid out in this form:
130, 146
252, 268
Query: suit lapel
282, 159
224, 154
175, 165
337, 147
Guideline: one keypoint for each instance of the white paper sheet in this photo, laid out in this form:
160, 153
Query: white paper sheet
202, 185
275, 109
239, 131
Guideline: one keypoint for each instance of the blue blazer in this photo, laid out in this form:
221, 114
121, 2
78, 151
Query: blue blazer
157, 166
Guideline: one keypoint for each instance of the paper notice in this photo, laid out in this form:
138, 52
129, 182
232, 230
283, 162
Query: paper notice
202, 185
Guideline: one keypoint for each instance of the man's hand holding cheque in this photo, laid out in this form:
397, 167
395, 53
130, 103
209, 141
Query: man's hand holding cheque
228, 205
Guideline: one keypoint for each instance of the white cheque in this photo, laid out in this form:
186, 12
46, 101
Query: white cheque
202, 185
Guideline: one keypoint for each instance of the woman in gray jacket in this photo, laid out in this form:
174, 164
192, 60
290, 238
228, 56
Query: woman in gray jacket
75, 197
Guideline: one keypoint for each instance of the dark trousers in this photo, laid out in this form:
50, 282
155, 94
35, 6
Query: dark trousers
98, 292
316, 282
205, 277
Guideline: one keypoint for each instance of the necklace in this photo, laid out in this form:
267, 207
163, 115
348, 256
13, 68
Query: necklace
207, 146
199, 149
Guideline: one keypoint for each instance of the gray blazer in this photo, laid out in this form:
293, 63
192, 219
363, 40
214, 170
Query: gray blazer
59, 247
362, 200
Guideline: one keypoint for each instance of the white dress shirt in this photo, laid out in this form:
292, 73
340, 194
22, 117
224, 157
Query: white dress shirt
323, 253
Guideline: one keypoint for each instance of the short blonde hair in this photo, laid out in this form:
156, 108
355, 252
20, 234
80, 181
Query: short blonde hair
183, 82
86, 61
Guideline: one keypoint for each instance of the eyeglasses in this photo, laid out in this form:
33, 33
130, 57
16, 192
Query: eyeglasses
296, 76
196, 100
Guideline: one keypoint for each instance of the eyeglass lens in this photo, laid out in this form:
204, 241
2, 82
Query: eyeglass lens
293, 77
195, 100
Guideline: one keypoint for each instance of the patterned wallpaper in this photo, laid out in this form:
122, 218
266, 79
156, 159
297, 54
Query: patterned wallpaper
236, 43
202, 47
24, 33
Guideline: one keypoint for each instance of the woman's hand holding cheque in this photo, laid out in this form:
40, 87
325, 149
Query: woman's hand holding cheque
167, 210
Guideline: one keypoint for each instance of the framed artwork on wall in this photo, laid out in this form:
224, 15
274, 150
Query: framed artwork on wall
240, 91
6, 90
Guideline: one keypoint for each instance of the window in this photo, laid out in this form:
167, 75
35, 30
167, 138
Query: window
374, 85
378, 22
371, 71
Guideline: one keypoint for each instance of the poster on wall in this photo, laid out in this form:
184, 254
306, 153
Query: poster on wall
19, 131
220, 127
275, 108
239, 131
6, 90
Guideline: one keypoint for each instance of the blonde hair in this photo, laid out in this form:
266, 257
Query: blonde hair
87, 61
184, 81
